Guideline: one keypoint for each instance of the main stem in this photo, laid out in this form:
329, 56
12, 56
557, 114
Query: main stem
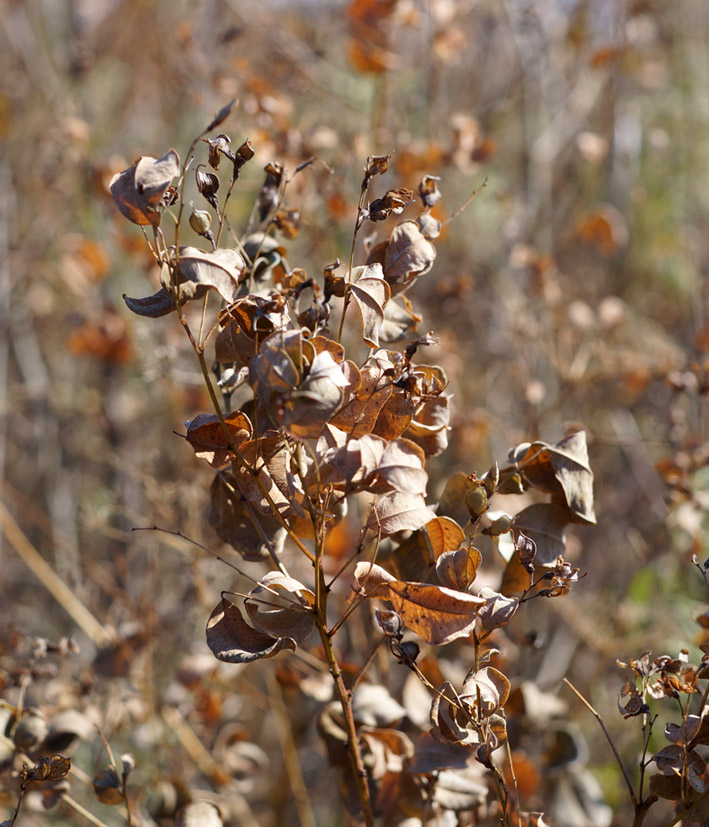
343, 694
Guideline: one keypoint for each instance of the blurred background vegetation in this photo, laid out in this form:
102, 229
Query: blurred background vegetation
570, 293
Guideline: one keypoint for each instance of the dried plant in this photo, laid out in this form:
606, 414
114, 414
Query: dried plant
336, 420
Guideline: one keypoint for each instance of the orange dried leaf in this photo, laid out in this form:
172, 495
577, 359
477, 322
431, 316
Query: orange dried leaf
206, 435
437, 614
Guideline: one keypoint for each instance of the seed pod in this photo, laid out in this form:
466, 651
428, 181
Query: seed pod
200, 220
499, 526
476, 501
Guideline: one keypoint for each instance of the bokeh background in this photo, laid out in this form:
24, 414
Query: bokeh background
570, 293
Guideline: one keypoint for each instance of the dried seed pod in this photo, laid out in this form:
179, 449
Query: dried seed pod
476, 501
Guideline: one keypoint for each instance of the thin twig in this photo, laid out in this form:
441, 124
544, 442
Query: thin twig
67, 799
626, 776
465, 204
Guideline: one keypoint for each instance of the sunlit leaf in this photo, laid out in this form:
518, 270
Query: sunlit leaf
438, 615
139, 189
486, 691
457, 569
399, 511
206, 435
371, 294
373, 706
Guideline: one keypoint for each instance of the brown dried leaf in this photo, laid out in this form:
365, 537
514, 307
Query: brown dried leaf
401, 467
159, 304
139, 189
396, 414
438, 615
364, 398
429, 427
311, 405
275, 580
291, 622
270, 457
399, 322
407, 256
353, 461
231, 639
208, 185
498, 609
431, 755
218, 269
561, 469
107, 787
206, 435
371, 293
231, 518
246, 323
545, 524
452, 502
221, 115
413, 559
392, 203
446, 727
47, 768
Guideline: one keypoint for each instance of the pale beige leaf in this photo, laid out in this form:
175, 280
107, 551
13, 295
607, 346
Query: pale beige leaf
368, 578
399, 512
486, 691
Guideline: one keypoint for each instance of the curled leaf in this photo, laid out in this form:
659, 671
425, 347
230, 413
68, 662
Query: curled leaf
562, 469
231, 639
457, 569
498, 609
138, 190
485, 692
159, 304
368, 577
371, 293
